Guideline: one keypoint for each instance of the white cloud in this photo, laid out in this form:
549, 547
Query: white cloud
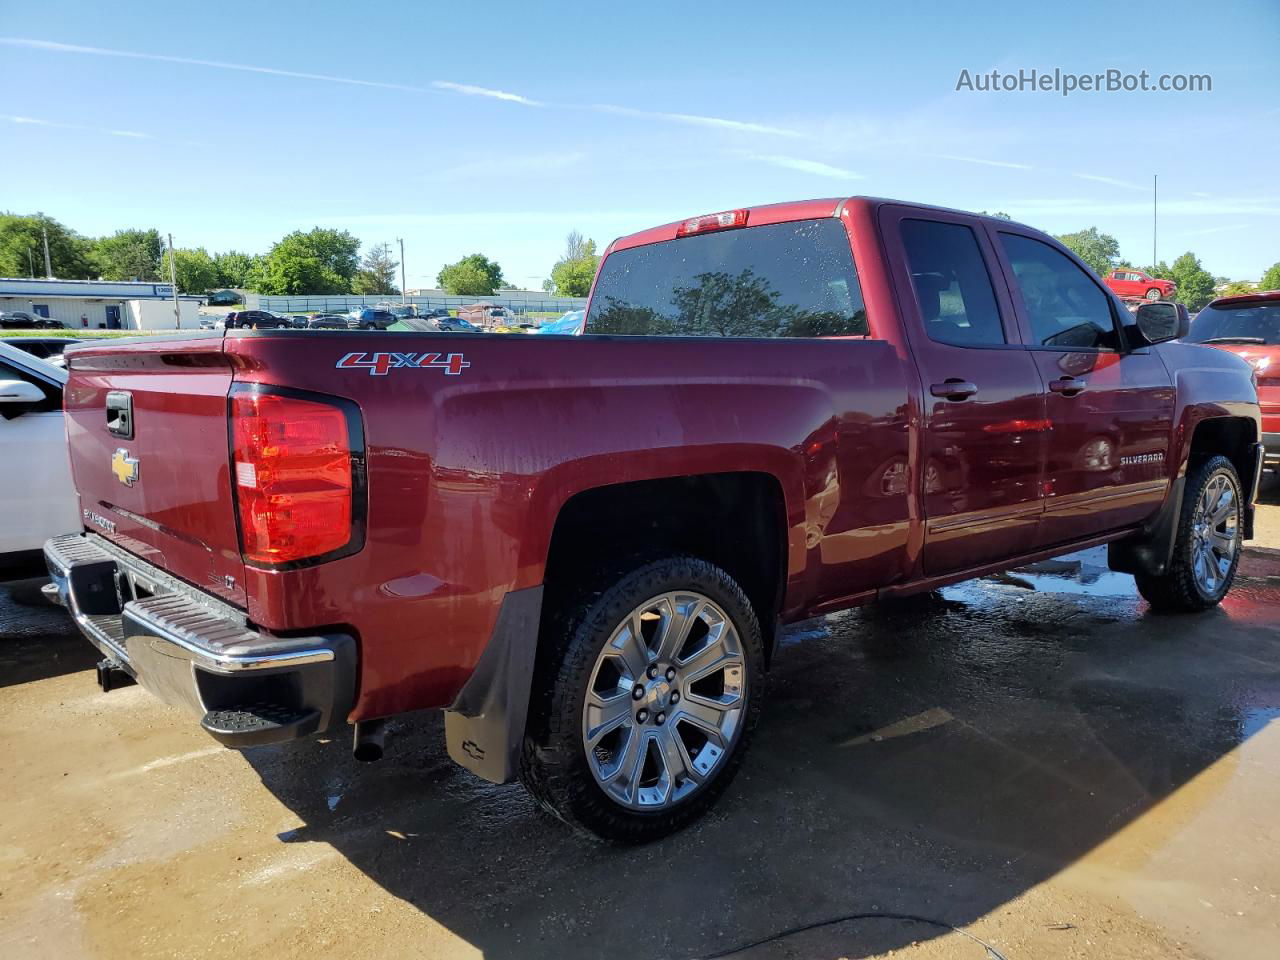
35, 122
472, 91
693, 119
1211, 230
808, 166
1112, 181
447, 86
502, 165
985, 163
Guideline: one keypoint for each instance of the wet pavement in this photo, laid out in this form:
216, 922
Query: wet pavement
1033, 758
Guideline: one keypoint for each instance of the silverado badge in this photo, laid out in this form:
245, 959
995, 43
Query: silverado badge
124, 467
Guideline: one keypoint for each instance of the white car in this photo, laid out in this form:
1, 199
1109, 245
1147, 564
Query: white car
37, 498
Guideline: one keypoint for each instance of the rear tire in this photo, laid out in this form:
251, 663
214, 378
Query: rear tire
1208, 545
661, 671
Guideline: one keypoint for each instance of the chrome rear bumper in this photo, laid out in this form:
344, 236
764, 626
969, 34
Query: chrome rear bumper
195, 652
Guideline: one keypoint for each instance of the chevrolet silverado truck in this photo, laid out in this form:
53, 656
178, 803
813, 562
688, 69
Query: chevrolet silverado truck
582, 548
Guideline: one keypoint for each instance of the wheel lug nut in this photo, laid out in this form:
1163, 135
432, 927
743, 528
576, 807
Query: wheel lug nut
642, 716
675, 698
653, 670
637, 692
671, 673
660, 719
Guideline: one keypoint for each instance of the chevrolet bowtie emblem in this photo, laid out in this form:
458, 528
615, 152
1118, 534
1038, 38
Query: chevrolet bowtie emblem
124, 467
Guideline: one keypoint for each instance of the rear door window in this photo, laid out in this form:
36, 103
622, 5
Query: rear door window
781, 280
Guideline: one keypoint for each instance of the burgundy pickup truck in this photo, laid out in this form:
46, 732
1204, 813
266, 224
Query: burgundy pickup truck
582, 548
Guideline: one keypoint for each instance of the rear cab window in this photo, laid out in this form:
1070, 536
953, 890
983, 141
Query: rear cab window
793, 279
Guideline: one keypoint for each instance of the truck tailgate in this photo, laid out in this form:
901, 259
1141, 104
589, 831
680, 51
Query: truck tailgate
147, 429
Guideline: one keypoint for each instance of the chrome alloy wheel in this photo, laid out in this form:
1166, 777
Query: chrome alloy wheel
666, 700
1215, 534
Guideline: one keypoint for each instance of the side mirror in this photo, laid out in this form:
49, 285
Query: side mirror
1159, 321
19, 391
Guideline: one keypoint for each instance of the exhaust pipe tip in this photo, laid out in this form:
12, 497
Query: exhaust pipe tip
370, 740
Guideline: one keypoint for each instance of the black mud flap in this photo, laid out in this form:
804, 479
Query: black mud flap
1150, 551
484, 729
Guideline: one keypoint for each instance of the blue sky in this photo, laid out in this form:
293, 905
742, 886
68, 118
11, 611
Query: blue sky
500, 127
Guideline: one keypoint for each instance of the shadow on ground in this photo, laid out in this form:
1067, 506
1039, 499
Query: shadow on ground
37, 639
938, 757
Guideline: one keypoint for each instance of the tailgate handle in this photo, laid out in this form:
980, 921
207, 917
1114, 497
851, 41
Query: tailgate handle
120, 414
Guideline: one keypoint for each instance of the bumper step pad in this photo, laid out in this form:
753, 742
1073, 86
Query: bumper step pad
258, 723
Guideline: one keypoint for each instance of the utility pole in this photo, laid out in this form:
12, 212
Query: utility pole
404, 290
1155, 184
31, 264
48, 267
173, 281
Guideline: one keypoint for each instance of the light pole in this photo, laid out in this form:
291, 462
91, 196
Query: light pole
173, 282
404, 289
1155, 194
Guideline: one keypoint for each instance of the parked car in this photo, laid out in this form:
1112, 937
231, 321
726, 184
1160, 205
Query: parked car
582, 548
450, 324
46, 348
370, 318
21, 320
327, 321
1128, 282
209, 323
224, 298
571, 324
1249, 326
435, 313
256, 320
37, 498
300, 321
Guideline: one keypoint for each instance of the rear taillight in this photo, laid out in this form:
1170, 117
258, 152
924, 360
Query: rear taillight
297, 466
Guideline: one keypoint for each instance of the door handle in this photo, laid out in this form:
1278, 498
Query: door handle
1067, 386
954, 389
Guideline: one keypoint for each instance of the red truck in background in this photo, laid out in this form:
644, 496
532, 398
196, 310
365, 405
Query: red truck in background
582, 548
1248, 325
1128, 282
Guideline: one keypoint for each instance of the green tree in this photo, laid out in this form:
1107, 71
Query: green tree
1099, 250
473, 276
1271, 279
22, 248
999, 215
377, 274
1236, 288
573, 272
233, 268
129, 255
319, 261
1195, 283
195, 270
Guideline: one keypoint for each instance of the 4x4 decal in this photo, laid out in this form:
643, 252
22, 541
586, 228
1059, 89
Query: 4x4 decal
380, 364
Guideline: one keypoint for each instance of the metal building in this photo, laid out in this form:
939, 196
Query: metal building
99, 304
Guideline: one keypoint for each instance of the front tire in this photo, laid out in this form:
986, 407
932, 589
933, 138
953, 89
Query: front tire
1153, 293
645, 699
1208, 545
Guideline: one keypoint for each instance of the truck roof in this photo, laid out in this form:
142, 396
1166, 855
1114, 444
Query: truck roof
781, 213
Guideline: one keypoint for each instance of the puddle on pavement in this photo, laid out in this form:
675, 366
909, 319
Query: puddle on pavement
1082, 572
